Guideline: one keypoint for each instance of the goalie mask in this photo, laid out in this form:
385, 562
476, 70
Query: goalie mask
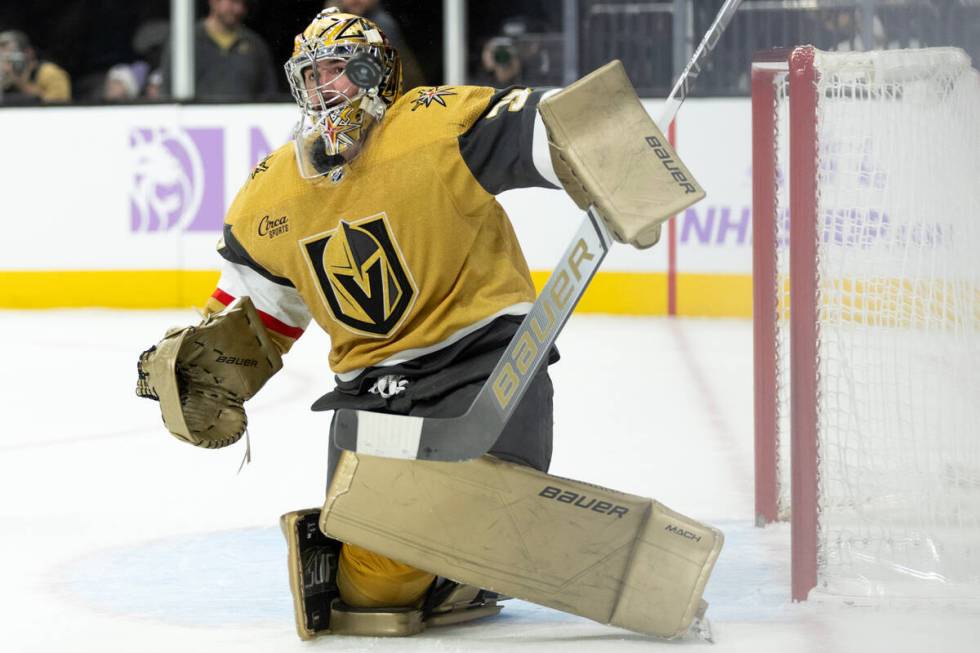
344, 74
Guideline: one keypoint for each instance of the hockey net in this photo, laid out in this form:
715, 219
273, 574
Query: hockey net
867, 318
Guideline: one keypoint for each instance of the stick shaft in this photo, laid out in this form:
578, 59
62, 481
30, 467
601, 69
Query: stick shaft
693, 68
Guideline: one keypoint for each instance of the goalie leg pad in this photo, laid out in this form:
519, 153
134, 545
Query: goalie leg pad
605, 555
314, 561
607, 151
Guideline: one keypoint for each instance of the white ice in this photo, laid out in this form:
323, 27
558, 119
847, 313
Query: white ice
116, 537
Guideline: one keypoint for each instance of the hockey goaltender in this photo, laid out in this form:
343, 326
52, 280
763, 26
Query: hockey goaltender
388, 235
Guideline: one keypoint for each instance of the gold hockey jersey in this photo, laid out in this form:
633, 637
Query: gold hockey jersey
402, 251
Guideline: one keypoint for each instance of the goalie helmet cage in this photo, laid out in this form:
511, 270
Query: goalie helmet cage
866, 307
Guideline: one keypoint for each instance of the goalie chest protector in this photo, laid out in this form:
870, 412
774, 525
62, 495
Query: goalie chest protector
400, 249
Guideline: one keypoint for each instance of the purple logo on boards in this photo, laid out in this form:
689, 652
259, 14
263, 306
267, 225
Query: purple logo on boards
716, 225
178, 179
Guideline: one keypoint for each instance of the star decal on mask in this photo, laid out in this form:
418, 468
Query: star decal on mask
429, 95
335, 132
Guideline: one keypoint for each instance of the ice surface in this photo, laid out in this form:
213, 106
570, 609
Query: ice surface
117, 537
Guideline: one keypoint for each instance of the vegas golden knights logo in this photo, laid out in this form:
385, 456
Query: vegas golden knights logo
362, 275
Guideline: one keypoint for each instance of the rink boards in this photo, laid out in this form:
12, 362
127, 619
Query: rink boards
122, 207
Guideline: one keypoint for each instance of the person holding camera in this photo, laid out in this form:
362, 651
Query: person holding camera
26, 79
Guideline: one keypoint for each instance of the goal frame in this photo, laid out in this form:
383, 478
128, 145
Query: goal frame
798, 66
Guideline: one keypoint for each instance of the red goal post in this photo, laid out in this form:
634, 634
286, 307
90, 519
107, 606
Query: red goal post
863, 303
770, 74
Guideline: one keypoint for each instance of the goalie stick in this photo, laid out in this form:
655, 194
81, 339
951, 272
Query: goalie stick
473, 433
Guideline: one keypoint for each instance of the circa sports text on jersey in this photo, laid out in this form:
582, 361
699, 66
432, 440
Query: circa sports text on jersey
404, 249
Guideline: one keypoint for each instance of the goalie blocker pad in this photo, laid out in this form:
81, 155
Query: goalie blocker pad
612, 557
607, 151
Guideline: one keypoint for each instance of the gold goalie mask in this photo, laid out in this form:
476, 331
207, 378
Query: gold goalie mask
344, 74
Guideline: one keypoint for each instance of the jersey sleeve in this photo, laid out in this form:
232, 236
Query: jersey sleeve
282, 310
506, 147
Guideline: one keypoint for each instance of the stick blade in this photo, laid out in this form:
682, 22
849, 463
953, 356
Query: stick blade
378, 434
415, 438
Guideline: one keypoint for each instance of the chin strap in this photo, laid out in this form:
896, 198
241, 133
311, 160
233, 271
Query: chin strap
324, 162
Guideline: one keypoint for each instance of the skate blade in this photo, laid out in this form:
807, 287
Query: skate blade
701, 627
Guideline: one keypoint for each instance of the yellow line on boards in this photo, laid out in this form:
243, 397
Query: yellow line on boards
621, 293
645, 293
106, 288
714, 295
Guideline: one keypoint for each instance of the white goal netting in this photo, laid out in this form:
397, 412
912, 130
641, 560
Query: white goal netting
898, 265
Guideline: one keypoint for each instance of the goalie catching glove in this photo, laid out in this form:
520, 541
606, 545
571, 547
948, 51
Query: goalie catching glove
607, 152
203, 374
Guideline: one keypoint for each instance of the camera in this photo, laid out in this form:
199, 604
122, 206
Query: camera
501, 51
17, 62
503, 54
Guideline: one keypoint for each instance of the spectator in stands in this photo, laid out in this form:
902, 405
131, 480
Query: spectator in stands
231, 62
121, 84
149, 41
501, 61
372, 10
27, 79
154, 86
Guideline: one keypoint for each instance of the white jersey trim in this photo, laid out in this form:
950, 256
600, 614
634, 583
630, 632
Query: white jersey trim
281, 302
540, 151
410, 354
